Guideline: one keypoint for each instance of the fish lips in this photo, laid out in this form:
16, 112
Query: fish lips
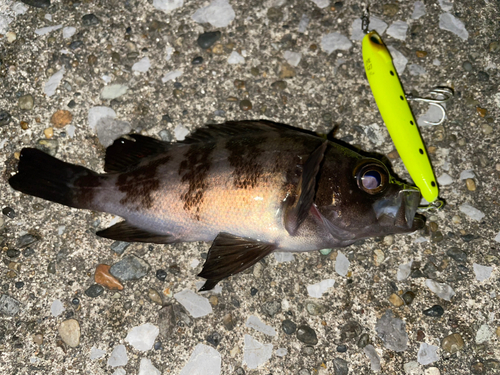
399, 210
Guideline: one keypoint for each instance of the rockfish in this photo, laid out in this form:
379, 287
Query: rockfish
251, 187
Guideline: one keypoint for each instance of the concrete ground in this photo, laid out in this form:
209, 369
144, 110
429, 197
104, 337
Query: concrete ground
272, 60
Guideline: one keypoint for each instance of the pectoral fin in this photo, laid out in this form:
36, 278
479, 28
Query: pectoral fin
296, 213
231, 254
124, 231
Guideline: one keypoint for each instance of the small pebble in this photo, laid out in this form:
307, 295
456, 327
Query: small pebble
239, 84
49, 146
471, 185
245, 105
214, 339
118, 356
342, 348
378, 257
69, 330
155, 297
420, 335
9, 212
94, 291
435, 311
161, 275
130, 267
51, 268
197, 60
19, 284
119, 247
452, 343
350, 331
478, 368
49, 132
364, 340
271, 308
8, 305
314, 308
90, 20
12, 253
288, 327
481, 111
287, 71
279, 85
4, 118
408, 297
143, 337
392, 332
104, 278
206, 40
253, 291
213, 300
75, 301
483, 76
396, 300
307, 335
38, 339
467, 66
75, 45
26, 102
307, 350
274, 14
26, 240
340, 366
229, 322
457, 255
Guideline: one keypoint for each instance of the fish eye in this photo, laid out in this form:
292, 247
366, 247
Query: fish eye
372, 177
371, 180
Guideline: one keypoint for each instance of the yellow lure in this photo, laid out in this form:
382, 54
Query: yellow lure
397, 115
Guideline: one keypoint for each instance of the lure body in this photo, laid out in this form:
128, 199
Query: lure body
397, 115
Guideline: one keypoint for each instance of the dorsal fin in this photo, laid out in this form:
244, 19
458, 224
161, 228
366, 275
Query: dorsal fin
228, 129
128, 151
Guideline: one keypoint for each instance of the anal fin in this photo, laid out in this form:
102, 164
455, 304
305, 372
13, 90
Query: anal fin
230, 255
124, 231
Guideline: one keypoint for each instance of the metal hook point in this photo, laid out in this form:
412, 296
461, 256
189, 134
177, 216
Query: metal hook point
438, 97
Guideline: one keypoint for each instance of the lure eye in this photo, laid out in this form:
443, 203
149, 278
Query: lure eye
372, 177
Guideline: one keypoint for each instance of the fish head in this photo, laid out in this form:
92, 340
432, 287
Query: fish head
369, 203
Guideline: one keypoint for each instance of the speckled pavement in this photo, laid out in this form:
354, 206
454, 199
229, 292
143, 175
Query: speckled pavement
252, 71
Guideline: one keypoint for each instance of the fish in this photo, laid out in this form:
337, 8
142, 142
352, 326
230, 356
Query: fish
249, 187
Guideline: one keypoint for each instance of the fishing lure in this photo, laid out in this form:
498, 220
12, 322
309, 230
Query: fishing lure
396, 113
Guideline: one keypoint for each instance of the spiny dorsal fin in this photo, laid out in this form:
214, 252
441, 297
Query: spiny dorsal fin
124, 231
296, 213
230, 255
211, 132
128, 151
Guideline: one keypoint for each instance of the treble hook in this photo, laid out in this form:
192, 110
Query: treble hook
439, 96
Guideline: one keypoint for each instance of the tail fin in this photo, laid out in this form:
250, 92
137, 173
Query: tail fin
44, 176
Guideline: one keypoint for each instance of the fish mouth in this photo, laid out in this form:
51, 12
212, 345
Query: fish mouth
400, 210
